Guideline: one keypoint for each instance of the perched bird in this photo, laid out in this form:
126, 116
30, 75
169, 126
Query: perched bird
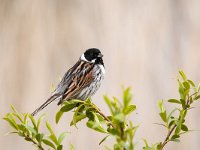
81, 81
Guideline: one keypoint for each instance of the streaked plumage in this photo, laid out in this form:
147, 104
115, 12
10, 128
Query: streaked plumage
81, 81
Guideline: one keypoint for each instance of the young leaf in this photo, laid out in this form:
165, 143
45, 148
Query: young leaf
103, 139
174, 101
49, 143
183, 75
58, 116
18, 116
68, 107
75, 118
161, 106
61, 137
60, 147
129, 109
25, 118
33, 122
12, 124
78, 118
95, 126
31, 129
127, 96
181, 90
39, 137
52, 136
186, 85
175, 138
163, 116
109, 104
197, 97
184, 127
119, 117
191, 83
71, 147
180, 122
39, 120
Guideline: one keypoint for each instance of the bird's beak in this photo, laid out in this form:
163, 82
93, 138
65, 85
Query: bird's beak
100, 55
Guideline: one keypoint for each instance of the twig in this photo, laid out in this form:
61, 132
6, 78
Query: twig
172, 129
167, 138
27, 137
101, 113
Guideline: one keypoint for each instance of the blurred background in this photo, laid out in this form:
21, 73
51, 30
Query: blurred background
144, 44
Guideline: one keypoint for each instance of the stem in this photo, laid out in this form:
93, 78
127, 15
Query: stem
172, 129
167, 138
27, 137
101, 113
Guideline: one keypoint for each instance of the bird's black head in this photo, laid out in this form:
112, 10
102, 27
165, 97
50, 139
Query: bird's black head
93, 55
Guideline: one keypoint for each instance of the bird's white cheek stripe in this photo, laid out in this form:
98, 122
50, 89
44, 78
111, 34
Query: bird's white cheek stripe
84, 59
102, 69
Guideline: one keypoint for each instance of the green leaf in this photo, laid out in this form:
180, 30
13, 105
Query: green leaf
183, 75
23, 128
180, 122
119, 117
12, 124
71, 147
13, 109
60, 147
52, 136
127, 96
49, 143
76, 113
171, 113
171, 123
95, 126
186, 85
184, 127
103, 139
174, 101
175, 138
197, 97
161, 106
181, 90
33, 122
39, 137
163, 116
58, 116
145, 142
198, 87
49, 128
18, 116
68, 107
78, 118
39, 120
191, 83
158, 146
108, 102
61, 137
129, 109
31, 129
25, 118
183, 103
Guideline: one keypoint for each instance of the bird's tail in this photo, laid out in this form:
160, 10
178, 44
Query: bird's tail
48, 101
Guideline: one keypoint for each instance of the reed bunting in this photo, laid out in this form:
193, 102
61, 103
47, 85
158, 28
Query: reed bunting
81, 81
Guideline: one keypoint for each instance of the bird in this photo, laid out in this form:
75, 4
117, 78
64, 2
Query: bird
81, 81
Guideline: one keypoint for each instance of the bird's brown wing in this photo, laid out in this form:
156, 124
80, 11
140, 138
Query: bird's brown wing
79, 81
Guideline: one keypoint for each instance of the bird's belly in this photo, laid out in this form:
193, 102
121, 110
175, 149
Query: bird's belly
93, 87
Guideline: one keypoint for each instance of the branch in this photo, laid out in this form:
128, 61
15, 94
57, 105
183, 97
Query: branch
28, 138
167, 138
101, 113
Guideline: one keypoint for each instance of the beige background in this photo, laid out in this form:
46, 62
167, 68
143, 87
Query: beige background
145, 43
